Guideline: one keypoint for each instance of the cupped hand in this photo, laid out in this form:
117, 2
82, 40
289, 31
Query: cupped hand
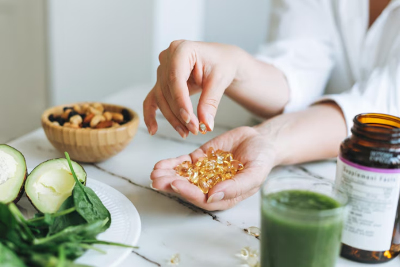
187, 68
247, 145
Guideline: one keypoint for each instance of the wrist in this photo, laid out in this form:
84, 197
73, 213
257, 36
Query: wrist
273, 130
242, 63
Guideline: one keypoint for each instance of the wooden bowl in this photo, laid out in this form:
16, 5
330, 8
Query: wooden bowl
86, 144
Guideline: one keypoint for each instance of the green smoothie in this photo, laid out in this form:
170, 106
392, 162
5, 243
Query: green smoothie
300, 229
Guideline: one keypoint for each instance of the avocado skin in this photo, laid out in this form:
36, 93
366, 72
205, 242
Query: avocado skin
22, 190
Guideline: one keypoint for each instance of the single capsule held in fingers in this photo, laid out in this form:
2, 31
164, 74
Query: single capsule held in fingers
202, 128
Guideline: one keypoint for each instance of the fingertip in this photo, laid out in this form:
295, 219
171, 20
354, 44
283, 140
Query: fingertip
150, 120
181, 131
227, 187
152, 131
198, 153
174, 187
185, 115
152, 187
160, 165
192, 128
159, 173
216, 197
210, 122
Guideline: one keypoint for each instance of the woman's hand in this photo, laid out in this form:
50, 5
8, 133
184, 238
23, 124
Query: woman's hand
187, 68
247, 145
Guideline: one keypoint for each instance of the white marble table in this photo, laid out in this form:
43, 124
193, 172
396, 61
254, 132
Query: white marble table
170, 225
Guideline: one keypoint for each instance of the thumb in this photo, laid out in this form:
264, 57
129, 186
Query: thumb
213, 89
238, 186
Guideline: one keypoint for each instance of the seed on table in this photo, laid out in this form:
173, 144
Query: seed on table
254, 231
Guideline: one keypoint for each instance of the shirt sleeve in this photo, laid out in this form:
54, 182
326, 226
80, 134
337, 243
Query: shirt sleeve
300, 45
380, 93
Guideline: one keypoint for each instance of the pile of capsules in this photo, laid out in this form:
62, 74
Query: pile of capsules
216, 167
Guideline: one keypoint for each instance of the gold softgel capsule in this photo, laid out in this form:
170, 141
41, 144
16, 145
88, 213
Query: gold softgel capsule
215, 167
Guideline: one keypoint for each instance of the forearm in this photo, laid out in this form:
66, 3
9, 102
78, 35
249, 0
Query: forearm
312, 134
259, 87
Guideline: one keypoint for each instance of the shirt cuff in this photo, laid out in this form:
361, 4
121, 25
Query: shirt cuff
350, 104
297, 99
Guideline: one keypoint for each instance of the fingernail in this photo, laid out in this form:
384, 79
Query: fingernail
210, 121
174, 188
180, 130
150, 132
184, 115
151, 186
216, 197
192, 128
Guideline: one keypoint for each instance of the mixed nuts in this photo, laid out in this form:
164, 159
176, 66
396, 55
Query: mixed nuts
87, 115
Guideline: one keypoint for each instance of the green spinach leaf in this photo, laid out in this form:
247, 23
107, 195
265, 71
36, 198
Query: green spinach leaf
68, 219
74, 233
87, 203
8, 258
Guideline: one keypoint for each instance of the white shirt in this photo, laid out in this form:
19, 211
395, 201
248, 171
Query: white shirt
327, 52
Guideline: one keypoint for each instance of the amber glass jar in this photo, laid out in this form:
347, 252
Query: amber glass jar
369, 169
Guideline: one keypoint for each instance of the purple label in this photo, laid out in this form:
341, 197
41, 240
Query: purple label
361, 167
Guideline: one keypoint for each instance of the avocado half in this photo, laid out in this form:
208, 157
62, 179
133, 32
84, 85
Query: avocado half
12, 174
51, 183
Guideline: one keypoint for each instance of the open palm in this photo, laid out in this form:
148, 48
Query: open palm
247, 145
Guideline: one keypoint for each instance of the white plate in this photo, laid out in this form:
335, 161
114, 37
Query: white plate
125, 226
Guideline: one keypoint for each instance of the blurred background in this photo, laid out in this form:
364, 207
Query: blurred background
60, 51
